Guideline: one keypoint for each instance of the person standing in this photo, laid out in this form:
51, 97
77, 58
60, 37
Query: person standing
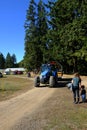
76, 84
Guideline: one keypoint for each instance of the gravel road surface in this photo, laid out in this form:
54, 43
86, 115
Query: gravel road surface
16, 109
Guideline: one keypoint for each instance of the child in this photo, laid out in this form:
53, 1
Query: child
83, 93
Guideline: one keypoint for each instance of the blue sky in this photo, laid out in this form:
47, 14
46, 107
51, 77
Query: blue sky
12, 34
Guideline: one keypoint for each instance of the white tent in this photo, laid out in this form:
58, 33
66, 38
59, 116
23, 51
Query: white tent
14, 69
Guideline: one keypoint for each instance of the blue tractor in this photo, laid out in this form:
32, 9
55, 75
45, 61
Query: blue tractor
48, 75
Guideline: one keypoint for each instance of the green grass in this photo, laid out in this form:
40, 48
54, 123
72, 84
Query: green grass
11, 85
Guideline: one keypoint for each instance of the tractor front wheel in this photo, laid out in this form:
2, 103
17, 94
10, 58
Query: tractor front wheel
52, 81
37, 81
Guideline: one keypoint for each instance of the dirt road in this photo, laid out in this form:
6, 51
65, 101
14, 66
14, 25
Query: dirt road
17, 108
28, 110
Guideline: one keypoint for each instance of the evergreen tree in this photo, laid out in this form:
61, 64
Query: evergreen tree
8, 61
42, 28
52, 34
35, 29
68, 31
2, 61
21, 63
63, 38
14, 60
30, 34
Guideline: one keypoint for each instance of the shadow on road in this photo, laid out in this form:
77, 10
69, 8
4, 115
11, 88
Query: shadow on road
63, 82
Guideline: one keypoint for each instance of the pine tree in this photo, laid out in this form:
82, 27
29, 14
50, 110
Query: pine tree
35, 38
8, 61
68, 31
62, 38
14, 60
30, 34
42, 28
2, 61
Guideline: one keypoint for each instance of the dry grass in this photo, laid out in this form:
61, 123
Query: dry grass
62, 113
57, 113
11, 86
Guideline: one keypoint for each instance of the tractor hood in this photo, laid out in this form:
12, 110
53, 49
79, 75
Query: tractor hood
44, 73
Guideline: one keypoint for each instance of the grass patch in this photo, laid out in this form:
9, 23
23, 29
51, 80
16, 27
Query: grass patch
62, 114
13, 85
9, 86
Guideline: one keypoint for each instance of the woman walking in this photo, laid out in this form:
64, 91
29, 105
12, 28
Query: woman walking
76, 83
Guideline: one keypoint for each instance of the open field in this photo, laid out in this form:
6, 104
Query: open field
41, 108
11, 86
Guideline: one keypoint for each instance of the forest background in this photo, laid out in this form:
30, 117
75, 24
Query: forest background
54, 31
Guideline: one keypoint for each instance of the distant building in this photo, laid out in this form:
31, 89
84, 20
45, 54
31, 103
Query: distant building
14, 70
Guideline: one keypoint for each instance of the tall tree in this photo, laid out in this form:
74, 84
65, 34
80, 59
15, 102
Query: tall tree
2, 61
42, 28
68, 22
52, 34
35, 37
8, 62
14, 60
30, 34
63, 38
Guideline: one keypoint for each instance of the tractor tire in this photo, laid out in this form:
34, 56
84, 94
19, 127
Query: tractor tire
52, 81
37, 81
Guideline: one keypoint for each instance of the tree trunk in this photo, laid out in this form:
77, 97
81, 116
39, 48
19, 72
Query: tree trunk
75, 68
